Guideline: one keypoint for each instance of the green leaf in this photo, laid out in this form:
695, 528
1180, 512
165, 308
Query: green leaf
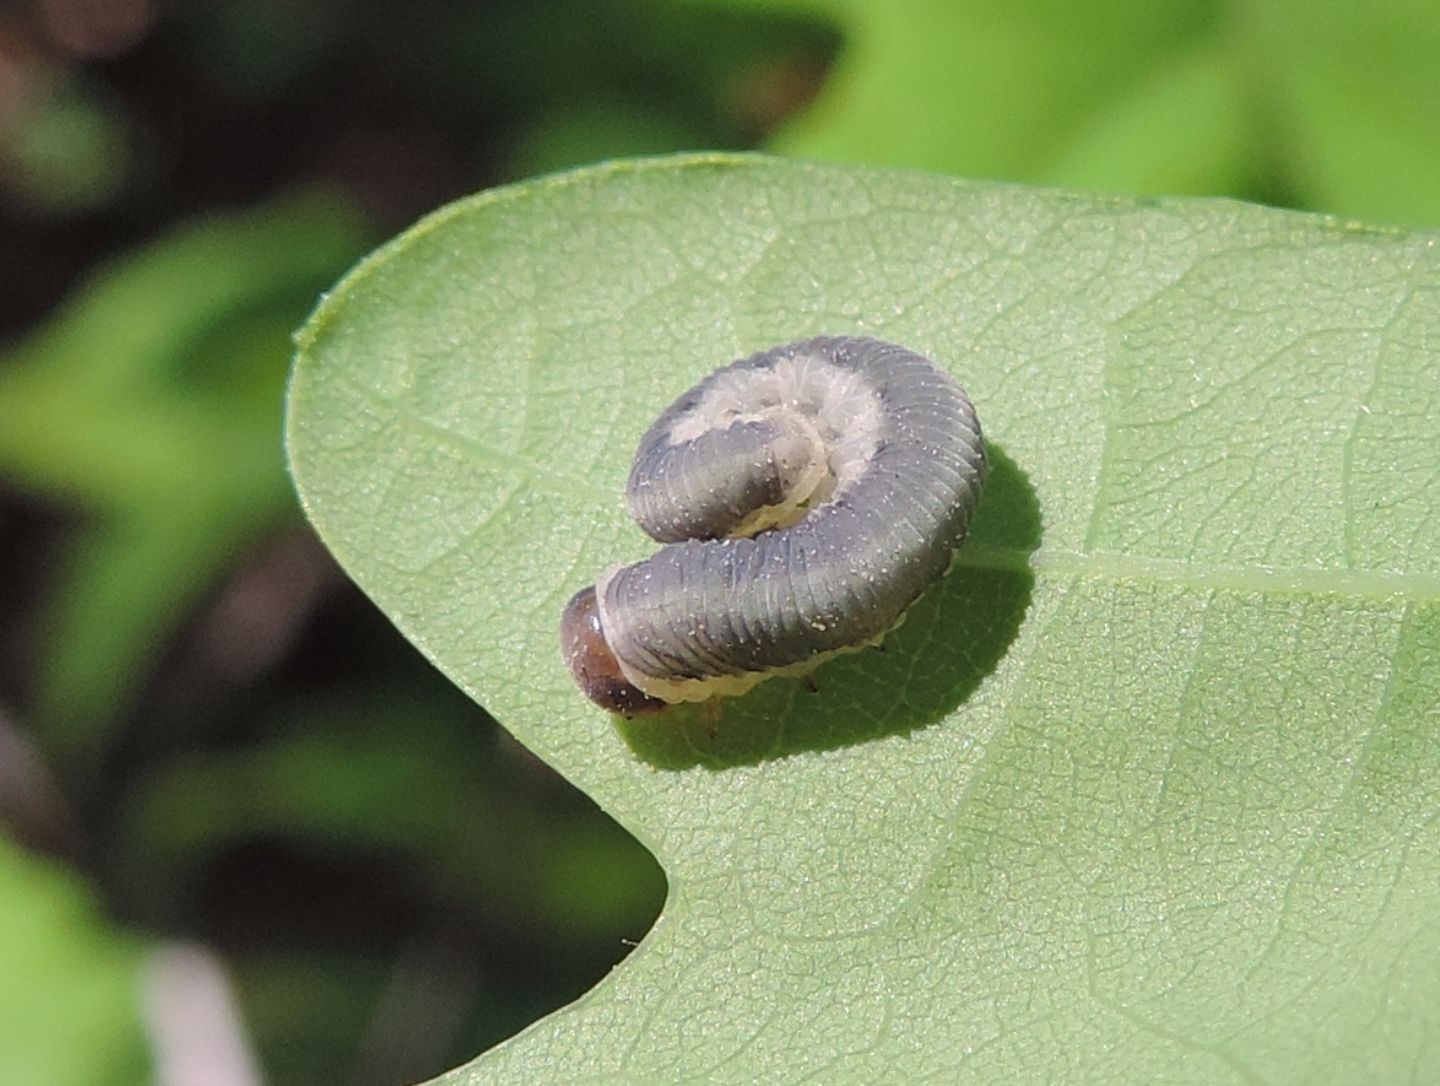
996, 89
1145, 790
1329, 106
1355, 93
70, 1004
149, 404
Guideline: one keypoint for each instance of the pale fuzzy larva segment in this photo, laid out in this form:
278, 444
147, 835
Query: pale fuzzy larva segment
859, 464
754, 443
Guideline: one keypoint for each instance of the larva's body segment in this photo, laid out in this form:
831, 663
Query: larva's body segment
857, 462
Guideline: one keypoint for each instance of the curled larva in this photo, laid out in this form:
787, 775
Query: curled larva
807, 495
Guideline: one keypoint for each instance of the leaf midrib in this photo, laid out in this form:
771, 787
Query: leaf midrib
1276, 580
1375, 585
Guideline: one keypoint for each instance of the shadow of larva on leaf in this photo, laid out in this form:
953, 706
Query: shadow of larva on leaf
952, 638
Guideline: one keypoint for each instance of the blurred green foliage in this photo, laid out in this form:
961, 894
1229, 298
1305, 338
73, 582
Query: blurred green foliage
151, 402
1326, 106
349, 831
68, 1001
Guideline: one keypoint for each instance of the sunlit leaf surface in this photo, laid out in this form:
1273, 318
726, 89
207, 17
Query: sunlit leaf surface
1144, 791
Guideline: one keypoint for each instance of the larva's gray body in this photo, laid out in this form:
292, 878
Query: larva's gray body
859, 464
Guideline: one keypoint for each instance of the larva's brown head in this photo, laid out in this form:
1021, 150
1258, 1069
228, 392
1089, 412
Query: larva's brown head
596, 671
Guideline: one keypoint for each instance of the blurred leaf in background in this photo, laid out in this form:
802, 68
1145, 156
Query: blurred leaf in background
151, 402
1326, 106
69, 1004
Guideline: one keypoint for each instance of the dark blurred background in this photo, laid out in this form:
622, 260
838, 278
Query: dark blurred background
241, 821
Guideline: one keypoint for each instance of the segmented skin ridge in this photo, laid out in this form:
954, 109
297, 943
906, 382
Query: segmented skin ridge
906, 463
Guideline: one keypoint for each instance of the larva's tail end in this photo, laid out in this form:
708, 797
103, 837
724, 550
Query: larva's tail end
596, 671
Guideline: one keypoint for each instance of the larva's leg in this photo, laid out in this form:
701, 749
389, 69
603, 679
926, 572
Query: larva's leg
712, 715
809, 683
